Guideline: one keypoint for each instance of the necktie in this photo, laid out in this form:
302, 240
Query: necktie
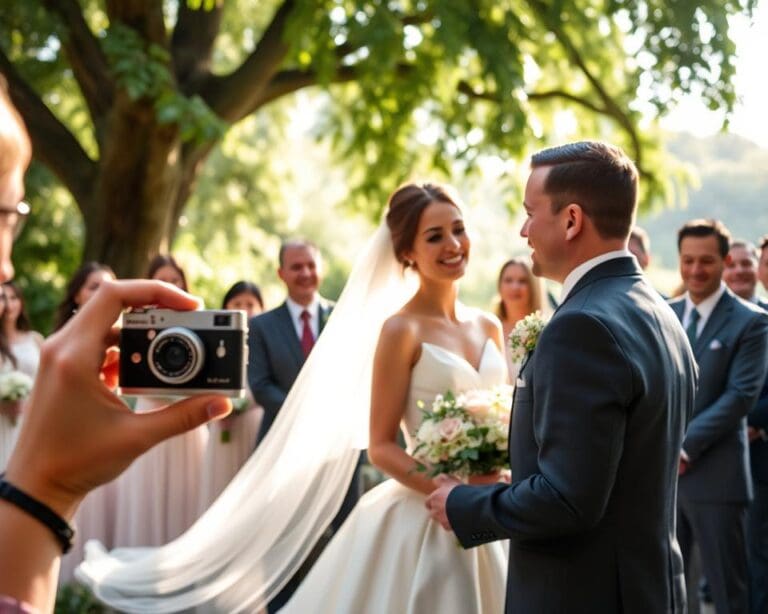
693, 323
307, 338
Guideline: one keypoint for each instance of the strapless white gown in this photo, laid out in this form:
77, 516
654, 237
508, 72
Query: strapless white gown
389, 556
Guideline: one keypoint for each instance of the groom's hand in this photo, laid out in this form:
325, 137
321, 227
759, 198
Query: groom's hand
437, 499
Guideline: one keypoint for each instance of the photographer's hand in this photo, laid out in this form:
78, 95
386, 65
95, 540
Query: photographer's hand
77, 434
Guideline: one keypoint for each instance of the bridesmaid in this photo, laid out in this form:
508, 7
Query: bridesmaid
9, 410
95, 519
158, 497
520, 293
80, 288
231, 439
24, 343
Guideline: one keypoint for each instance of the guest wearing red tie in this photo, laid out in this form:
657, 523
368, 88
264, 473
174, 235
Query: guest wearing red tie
279, 342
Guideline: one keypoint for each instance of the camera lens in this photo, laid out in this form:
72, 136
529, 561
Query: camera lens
173, 356
176, 355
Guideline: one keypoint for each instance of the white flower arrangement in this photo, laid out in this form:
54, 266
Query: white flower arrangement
15, 386
525, 335
466, 434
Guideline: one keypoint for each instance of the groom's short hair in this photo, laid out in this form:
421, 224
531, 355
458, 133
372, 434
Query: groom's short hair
597, 176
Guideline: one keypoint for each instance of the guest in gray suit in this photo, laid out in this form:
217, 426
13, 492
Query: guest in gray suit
599, 412
741, 277
730, 342
280, 340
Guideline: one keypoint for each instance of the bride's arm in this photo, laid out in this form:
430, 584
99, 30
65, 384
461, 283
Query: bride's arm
396, 353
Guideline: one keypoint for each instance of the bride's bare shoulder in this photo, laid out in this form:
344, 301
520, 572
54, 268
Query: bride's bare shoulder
402, 326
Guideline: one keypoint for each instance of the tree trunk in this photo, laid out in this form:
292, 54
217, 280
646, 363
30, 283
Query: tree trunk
132, 209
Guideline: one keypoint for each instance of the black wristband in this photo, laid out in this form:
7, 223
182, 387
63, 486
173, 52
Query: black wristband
58, 526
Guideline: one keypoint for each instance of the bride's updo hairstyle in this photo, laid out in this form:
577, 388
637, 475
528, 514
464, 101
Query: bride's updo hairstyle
405, 208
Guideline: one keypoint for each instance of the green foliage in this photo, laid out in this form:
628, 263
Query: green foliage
49, 249
409, 88
144, 71
76, 599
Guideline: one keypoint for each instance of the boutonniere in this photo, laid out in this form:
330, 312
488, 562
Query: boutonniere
525, 336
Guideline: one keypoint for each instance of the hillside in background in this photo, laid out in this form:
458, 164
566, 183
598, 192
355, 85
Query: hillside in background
732, 185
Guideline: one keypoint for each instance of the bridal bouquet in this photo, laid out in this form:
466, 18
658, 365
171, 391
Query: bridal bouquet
525, 335
14, 386
466, 434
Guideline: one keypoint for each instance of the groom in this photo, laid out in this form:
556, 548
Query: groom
599, 414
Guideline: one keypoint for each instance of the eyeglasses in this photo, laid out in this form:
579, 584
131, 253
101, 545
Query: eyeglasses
14, 217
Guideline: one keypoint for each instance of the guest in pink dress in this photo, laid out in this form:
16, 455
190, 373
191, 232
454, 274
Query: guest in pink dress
158, 497
231, 439
520, 293
23, 347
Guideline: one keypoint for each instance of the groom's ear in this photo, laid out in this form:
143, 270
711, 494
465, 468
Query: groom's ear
574, 220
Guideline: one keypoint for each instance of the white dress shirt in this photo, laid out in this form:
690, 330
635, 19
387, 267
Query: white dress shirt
576, 274
705, 308
314, 316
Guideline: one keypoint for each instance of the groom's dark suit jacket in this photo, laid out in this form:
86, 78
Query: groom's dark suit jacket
275, 358
599, 415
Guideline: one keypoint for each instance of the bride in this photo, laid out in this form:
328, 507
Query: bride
389, 556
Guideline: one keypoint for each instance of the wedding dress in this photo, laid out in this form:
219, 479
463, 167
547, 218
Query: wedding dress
389, 556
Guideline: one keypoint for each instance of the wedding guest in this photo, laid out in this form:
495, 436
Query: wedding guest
279, 342
230, 442
9, 409
24, 342
95, 518
86, 433
729, 338
741, 277
158, 498
762, 267
520, 293
82, 286
23, 347
640, 246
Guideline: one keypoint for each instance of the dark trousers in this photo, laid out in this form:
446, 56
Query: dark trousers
354, 492
719, 531
757, 540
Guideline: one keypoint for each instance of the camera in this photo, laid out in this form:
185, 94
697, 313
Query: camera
166, 352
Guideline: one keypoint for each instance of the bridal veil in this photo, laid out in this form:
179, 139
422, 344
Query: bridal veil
253, 538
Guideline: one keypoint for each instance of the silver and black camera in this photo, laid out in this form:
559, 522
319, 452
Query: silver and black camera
166, 352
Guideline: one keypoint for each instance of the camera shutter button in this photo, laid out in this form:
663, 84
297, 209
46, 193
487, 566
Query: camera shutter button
221, 351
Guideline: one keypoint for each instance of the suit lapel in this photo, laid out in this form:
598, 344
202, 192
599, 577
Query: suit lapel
323, 313
717, 319
288, 331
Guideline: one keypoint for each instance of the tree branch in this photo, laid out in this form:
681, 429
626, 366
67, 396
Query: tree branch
52, 143
144, 16
192, 44
289, 81
89, 66
233, 96
611, 108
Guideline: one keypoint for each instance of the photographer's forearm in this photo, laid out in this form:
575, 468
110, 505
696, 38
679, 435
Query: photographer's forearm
29, 559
